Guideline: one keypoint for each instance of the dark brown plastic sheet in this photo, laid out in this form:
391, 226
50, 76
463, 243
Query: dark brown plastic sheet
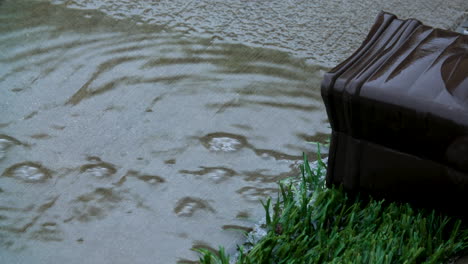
398, 109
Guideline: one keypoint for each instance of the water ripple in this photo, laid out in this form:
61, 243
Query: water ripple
224, 142
170, 112
99, 170
28, 172
215, 174
187, 206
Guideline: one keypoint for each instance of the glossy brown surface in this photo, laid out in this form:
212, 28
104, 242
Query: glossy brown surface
398, 108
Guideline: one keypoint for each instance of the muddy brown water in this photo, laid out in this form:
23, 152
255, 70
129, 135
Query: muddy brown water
126, 142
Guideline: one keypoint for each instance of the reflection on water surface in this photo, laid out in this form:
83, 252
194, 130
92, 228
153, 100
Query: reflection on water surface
128, 143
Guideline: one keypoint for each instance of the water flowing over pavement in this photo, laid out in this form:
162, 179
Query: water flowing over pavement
132, 131
132, 145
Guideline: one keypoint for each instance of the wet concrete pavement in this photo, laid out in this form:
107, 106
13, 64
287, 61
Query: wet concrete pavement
132, 131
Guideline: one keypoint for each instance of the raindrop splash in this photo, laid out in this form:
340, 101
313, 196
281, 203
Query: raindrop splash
215, 174
28, 172
188, 206
6, 142
254, 194
224, 142
99, 170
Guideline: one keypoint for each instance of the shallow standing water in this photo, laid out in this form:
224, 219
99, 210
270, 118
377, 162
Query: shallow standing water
122, 141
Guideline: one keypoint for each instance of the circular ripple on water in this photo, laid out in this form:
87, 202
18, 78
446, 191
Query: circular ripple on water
28, 172
215, 174
150, 179
5, 143
99, 170
218, 175
254, 194
188, 205
224, 142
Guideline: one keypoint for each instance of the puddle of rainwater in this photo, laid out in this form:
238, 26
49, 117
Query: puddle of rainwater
142, 141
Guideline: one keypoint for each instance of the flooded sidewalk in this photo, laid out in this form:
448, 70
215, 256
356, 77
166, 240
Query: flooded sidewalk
132, 132
134, 144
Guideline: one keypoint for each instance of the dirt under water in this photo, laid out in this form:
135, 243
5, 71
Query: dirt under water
123, 141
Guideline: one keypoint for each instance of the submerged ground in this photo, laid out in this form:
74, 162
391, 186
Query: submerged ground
132, 131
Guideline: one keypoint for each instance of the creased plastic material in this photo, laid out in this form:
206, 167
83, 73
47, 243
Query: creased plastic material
398, 109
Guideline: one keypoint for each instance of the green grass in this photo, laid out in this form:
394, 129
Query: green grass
309, 223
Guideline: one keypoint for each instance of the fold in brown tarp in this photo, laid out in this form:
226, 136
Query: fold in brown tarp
398, 108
